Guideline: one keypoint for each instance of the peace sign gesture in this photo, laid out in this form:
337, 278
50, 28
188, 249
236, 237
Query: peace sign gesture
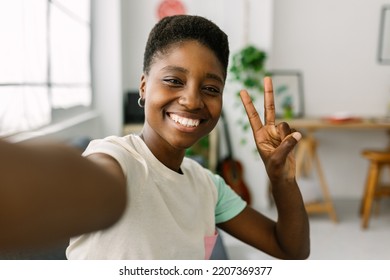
274, 142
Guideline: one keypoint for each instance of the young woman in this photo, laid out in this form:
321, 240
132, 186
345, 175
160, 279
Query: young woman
174, 204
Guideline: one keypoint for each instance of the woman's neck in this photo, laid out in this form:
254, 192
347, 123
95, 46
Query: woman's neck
166, 154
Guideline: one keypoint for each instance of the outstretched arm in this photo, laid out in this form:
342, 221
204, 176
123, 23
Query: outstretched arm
288, 237
49, 192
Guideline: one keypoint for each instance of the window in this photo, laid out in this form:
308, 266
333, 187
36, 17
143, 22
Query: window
45, 61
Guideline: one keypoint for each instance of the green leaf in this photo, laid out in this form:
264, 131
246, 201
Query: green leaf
248, 69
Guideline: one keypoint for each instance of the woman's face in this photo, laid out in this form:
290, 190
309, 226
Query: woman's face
183, 96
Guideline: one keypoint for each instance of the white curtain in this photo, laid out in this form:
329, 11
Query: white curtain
44, 60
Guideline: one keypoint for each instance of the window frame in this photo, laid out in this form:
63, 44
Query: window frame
59, 114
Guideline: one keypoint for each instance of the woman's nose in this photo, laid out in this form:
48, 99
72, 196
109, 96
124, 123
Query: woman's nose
191, 99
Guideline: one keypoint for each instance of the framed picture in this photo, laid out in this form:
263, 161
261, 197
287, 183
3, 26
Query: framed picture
288, 93
384, 36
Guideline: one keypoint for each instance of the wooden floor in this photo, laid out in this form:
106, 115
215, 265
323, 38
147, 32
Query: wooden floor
344, 240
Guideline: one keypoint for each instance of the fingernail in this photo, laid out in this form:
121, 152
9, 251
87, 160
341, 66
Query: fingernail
297, 136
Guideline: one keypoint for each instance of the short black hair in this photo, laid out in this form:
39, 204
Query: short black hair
179, 28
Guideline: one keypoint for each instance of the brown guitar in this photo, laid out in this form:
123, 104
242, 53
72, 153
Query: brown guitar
231, 170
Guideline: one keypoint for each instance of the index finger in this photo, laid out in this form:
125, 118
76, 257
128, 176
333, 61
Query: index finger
253, 116
269, 104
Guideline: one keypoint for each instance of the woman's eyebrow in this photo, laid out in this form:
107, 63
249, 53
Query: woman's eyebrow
184, 70
175, 68
215, 77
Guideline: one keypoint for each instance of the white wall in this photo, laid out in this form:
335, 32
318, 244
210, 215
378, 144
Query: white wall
107, 65
139, 17
334, 44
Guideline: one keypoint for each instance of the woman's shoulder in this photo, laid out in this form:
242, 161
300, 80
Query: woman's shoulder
125, 142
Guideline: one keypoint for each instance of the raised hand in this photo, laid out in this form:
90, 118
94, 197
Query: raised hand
274, 142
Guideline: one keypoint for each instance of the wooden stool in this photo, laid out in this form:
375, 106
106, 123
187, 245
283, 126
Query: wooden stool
307, 161
374, 188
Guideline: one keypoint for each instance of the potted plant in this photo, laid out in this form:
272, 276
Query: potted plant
248, 69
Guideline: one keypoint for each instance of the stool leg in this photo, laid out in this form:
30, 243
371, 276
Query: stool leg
372, 181
300, 153
324, 186
365, 194
361, 210
377, 196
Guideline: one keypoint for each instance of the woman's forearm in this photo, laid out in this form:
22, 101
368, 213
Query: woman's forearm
292, 228
50, 192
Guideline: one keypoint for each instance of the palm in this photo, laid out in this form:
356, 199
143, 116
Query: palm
278, 161
267, 139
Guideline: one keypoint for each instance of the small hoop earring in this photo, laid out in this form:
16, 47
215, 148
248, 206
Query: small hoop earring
141, 102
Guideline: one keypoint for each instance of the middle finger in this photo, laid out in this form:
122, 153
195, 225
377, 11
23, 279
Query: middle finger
269, 104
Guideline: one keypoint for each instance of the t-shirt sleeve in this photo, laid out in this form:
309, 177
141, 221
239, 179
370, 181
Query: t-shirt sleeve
110, 148
229, 204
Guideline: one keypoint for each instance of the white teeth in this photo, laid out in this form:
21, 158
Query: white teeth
184, 121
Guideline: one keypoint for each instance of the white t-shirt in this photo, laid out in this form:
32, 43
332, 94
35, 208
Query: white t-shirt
168, 215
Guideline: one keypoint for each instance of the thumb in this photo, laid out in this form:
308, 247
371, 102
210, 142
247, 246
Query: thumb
289, 143
297, 136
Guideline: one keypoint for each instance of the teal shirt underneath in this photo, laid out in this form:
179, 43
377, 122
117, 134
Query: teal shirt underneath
229, 204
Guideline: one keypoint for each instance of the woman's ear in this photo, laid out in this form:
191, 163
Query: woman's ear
142, 86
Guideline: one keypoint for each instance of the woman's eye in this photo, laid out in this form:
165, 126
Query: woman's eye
212, 90
173, 81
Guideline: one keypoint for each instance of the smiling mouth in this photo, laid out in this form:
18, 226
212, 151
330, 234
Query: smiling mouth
184, 121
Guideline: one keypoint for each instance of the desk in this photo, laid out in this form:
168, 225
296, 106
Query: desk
312, 124
307, 158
